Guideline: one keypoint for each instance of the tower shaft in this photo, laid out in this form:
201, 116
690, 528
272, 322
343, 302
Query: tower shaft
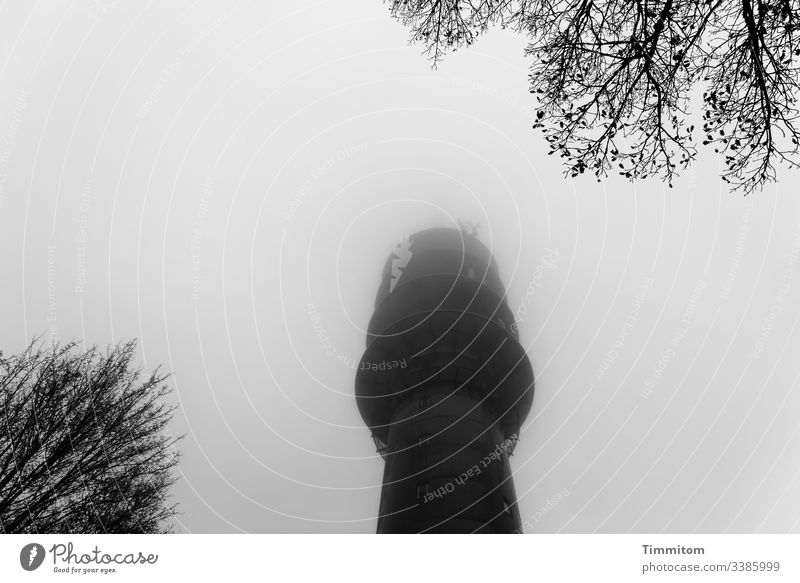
447, 420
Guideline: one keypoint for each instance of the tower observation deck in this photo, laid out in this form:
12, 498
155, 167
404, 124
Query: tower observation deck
444, 386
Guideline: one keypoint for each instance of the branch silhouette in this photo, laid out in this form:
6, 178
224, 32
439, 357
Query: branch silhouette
615, 79
84, 443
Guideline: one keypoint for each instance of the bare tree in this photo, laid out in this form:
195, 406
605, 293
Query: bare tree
84, 443
615, 79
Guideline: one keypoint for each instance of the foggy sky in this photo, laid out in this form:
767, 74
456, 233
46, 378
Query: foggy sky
207, 176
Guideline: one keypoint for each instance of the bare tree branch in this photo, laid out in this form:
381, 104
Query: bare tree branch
84, 443
614, 78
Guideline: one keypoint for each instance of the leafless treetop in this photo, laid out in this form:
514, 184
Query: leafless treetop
84, 443
615, 79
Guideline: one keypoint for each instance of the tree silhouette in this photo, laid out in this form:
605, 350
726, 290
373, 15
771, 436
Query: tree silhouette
615, 79
84, 443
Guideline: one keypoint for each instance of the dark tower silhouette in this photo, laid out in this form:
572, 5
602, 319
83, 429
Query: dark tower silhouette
444, 386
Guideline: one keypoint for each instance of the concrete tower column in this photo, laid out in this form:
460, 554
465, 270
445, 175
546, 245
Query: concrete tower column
444, 386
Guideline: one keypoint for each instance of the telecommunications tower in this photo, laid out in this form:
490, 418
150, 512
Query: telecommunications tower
444, 386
